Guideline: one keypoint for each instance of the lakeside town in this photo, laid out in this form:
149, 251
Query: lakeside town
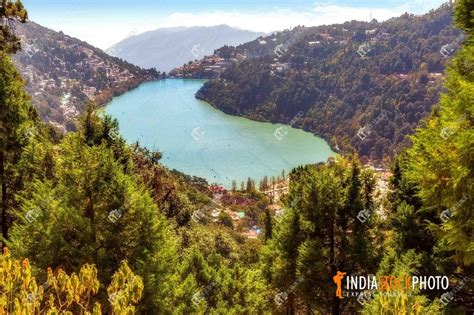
230, 207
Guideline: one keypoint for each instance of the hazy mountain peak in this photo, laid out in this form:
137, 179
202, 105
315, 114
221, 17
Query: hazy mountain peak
170, 47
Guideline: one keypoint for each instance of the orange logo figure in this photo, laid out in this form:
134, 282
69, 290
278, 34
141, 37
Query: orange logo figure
338, 281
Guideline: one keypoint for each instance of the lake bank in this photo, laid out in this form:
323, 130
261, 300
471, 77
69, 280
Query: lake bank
197, 139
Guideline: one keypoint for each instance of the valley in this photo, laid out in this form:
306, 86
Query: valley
274, 174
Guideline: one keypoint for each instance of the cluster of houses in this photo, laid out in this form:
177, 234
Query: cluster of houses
219, 191
209, 66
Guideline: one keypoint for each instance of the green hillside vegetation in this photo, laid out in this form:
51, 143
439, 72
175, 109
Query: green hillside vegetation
362, 86
86, 209
62, 73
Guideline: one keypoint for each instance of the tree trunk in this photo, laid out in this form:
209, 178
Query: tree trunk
4, 199
332, 257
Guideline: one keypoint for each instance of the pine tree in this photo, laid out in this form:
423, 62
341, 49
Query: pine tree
250, 185
92, 211
441, 160
268, 224
15, 124
320, 234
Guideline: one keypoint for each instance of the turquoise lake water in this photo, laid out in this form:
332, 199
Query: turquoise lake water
197, 139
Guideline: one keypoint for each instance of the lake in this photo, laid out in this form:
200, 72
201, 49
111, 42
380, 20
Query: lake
199, 140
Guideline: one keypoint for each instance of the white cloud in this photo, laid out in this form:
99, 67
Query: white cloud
280, 19
109, 30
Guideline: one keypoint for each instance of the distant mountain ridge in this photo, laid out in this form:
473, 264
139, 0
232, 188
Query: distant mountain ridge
168, 48
62, 73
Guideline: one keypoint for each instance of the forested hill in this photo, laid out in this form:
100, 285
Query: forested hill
362, 86
62, 72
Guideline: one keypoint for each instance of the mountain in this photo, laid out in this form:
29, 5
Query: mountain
167, 48
62, 73
362, 86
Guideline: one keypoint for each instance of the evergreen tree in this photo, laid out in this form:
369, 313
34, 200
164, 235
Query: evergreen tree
91, 211
441, 164
15, 125
250, 185
320, 234
268, 224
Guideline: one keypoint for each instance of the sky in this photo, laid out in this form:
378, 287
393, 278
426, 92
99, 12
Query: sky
103, 23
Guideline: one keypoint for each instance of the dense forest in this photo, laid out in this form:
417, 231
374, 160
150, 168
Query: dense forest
362, 86
92, 225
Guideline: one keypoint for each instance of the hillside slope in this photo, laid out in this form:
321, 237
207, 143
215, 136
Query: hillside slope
362, 86
167, 48
62, 73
